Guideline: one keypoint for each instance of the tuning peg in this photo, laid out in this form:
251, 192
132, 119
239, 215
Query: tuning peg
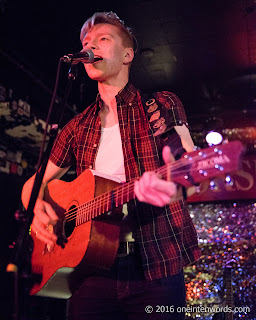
203, 172
201, 154
186, 156
217, 166
217, 150
213, 185
229, 181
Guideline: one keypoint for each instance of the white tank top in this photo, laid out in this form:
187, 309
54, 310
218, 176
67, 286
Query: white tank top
110, 158
110, 162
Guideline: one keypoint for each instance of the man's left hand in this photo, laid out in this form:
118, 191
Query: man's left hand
150, 188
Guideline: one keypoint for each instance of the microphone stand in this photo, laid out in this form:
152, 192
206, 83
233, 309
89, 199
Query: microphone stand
23, 236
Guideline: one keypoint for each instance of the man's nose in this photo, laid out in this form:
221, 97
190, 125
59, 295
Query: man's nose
92, 45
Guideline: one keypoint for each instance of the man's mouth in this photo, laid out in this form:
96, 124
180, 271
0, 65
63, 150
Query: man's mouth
97, 58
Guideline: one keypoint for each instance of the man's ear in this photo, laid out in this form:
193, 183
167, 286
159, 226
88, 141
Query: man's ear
128, 55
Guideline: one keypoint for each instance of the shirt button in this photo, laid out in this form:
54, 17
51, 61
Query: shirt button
95, 145
90, 167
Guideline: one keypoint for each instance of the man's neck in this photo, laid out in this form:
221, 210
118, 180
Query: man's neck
108, 92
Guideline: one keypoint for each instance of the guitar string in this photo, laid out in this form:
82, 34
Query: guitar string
104, 196
96, 203
102, 201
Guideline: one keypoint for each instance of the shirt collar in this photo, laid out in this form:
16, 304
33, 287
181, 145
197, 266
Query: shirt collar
126, 96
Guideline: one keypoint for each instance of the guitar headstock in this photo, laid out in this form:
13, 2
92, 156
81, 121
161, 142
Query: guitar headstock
203, 164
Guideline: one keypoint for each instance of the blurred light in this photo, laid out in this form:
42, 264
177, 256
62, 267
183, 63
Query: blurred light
213, 138
229, 181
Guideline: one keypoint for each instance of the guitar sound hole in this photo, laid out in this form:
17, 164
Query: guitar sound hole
70, 224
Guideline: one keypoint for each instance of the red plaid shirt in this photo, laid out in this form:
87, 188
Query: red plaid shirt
166, 236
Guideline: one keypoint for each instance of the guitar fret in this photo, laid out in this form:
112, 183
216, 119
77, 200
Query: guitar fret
94, 209
87, 214
117, 197
99, 206
103, 203
82, 215
121, 195
78, 217
91, 210
107, 202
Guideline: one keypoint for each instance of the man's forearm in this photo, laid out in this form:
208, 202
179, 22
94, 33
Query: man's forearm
27, 189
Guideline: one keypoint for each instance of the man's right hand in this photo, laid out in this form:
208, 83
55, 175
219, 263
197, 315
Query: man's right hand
44, 216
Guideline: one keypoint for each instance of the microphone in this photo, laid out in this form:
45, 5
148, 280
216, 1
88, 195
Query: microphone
85, 56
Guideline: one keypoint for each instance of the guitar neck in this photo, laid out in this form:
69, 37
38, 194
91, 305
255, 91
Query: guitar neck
105, 202
191, 169
113, 199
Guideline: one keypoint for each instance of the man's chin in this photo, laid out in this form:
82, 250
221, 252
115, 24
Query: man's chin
96, 77
99, 79
94, 74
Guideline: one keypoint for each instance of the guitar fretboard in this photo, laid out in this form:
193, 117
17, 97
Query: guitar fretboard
193, 168
105, 203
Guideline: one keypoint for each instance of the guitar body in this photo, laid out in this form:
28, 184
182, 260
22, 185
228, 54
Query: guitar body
88, 237
84, 247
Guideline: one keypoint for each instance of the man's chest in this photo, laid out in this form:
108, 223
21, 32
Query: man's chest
108, 117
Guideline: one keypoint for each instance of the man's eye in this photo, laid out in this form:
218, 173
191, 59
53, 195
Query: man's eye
85, 44
104, 39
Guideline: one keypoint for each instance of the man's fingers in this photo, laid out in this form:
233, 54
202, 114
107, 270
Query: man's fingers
41, 216
44, 217
158, 199
167, 155
41, 229
151, 182
51, 213
167, 187
45, 239
153, 190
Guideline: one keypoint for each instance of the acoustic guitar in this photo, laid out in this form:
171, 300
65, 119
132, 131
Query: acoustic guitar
88, 235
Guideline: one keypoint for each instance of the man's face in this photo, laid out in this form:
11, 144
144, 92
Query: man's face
105, 42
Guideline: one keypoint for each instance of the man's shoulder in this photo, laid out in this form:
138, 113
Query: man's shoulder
85, 112
80, 117
165, 98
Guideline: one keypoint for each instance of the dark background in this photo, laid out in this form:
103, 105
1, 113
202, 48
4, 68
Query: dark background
203, 50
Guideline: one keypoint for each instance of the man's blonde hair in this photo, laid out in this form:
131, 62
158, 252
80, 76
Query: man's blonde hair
112, 18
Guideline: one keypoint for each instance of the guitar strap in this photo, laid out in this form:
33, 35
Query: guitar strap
161, 124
